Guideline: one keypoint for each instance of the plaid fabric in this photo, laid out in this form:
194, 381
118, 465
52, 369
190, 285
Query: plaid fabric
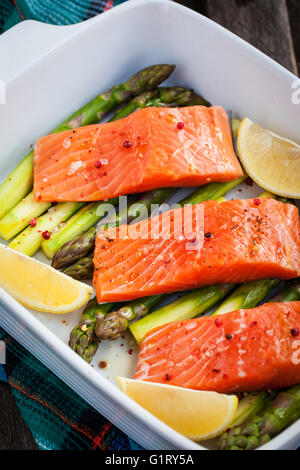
57, 417
51, 11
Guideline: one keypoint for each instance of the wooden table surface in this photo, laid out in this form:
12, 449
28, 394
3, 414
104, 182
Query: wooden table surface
270, 25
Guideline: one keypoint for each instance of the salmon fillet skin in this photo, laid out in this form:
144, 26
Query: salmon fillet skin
236, 241
144, 151
241, 351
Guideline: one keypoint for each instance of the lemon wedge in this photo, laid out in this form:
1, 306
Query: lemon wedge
38, 286
195, 414
270, 160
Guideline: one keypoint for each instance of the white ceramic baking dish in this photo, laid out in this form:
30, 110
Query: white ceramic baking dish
51, 71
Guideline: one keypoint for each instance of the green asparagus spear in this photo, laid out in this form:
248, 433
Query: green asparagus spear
281, 412
188, 306
74, 250
178, 96
19, 182
290, 293
29, 241
250, 405
17, 185
247, 296
21, 215
82, 269
82, 338
139, 102
88, 216
175, 96
211, 192
115, 323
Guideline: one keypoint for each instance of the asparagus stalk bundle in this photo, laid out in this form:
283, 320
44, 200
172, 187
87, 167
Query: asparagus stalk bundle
111, 326
188, 306
247, 296
29, 241
175, 96
279, 413
82, 338
19, 182
83, 268
21, 215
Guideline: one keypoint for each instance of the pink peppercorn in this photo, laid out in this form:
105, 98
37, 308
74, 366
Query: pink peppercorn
256, 202
180, 125
46, 235
98, 164
33, 222
295, 332
218, 322
127, 144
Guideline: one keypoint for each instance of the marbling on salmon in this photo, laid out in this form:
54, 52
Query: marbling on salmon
144, 151
245, 350
242, 242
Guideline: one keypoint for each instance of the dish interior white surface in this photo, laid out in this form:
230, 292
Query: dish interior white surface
66, 71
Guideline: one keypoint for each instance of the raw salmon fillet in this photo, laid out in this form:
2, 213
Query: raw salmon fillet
91, 163
241, 351
241, 242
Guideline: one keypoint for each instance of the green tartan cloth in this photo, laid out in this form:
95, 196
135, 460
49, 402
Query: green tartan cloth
57, 417
51, 11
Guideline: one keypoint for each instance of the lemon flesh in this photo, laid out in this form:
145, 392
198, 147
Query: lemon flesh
195, 414
270, 160
39, 286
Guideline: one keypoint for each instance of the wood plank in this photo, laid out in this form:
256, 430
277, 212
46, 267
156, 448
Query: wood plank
197, 5
294, 14
263, 23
